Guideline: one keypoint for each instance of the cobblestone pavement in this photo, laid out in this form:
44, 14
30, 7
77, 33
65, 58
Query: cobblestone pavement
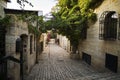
55, 64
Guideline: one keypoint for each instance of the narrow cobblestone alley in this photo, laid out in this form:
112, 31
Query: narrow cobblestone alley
55, 64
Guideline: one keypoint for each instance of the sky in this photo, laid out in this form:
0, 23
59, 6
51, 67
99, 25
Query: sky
41, 5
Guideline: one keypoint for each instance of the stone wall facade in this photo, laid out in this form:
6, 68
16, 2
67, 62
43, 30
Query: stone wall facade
19, 29
44, 40
2, 6
64, 42
97, 48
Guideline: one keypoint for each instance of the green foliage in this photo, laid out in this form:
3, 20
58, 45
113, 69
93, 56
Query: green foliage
52, 34
63, 2
34, 30
87, 7
92, 17
36, 23
72, 18
6, 21
30, 18
84, 6
31, 28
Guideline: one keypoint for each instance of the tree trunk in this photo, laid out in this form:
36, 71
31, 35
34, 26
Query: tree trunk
74, 49
74, 54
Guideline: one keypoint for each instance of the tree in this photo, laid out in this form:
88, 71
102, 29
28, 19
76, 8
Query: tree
70, 18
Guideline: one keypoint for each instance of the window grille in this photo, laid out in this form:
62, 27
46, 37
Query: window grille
108, 25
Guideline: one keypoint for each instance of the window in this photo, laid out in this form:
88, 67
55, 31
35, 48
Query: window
108, 25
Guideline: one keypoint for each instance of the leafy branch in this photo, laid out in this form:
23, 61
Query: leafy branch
71, 18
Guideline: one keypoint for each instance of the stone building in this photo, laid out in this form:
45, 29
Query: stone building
18, 30
64, 42
44, 40
2, 39
2, 6
101, 48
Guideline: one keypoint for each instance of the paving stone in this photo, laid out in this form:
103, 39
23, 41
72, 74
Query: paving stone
55, 64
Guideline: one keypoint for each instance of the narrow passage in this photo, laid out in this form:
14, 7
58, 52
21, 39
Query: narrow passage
55, 64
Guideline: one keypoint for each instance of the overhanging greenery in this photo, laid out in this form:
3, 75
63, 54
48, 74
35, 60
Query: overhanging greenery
70, 18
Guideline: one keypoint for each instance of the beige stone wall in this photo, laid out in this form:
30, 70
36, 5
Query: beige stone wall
68, 46
64, 42
14, 32
96, 47
44, 40
2, 5
31, 57
17, 29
